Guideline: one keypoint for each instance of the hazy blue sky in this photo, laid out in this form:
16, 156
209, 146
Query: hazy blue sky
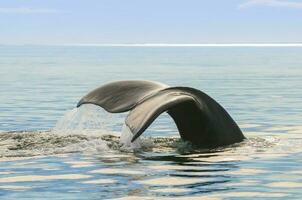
150, 21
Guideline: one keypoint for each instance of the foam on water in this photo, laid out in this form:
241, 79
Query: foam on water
84, 129
89, 129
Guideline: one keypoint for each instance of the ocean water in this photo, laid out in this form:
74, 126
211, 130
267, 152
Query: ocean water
51, 150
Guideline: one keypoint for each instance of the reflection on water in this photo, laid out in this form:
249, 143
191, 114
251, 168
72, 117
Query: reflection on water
95, 161
87, 154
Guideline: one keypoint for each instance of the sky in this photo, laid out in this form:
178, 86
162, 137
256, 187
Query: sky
150, 21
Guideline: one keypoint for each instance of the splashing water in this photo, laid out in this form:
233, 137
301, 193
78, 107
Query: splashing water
84, 118
90, 119
126, 137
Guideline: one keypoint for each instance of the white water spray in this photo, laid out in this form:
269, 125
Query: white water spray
92, 120
86, 117
126, 137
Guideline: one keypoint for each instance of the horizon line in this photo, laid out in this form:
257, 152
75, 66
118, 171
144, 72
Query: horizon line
169, 44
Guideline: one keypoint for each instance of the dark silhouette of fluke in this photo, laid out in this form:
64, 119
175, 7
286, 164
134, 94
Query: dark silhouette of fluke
199, 118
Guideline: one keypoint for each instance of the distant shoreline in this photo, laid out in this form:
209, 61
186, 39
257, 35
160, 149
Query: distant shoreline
170, 45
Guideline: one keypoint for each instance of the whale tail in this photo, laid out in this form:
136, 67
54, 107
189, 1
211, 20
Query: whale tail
198, 117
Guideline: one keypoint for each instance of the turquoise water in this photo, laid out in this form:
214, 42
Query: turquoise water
261, 87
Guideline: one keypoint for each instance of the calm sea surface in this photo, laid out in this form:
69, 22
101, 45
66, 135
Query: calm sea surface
82, 158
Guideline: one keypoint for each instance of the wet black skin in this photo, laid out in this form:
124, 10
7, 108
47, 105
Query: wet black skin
198, 117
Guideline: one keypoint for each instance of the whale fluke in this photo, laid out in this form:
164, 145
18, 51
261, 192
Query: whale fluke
198, 117
121, 96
